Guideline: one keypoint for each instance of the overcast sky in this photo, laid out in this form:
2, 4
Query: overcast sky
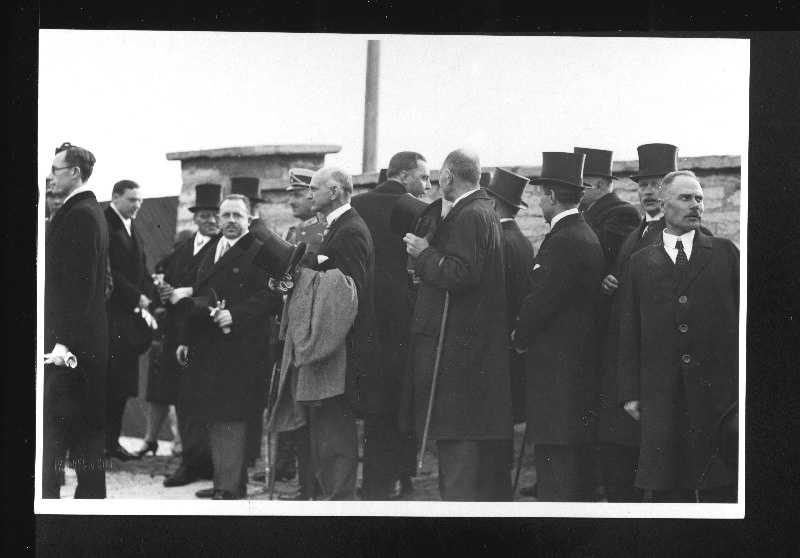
132, 97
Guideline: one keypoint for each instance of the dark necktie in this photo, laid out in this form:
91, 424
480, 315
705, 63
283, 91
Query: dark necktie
681, 261
647, 228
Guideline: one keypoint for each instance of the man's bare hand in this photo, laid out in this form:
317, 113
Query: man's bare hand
182, 354
165, 291
609, 285
414, 244
632, 408
223, 318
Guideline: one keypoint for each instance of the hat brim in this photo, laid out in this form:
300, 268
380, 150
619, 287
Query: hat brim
638, 177
520, 205
295, 187
611, 176
196, 208
557, 181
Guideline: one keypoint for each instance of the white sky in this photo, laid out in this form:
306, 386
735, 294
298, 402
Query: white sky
131, 97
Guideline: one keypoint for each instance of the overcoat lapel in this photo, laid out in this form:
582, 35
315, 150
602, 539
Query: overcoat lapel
662, 260
700, 256
208, 268
343, 218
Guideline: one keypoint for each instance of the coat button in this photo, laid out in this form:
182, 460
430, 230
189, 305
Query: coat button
236, 270
682, 299
687, 359
683, 328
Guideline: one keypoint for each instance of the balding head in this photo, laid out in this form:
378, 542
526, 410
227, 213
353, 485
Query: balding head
460, 173
330, 188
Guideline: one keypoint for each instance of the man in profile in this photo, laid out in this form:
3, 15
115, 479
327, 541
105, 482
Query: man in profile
75, 323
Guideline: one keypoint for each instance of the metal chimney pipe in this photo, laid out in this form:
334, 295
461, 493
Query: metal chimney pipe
370, 155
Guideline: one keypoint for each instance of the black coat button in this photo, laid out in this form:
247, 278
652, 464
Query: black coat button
683, 328
682, 299
687, 359
236, 270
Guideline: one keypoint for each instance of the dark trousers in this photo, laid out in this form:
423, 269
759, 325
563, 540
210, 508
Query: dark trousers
115, 408
193, 428
255, 422
618, 465
85, 445
228, 440
722, 495
564, 472
382, 456
334, 448
474, 470
297, 444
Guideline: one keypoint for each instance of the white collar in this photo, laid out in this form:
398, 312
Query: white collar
126, 222
336, 213
658, 216
462, 196
686, 238
557, 218
76, 191
504, 219
200, 239
231, 242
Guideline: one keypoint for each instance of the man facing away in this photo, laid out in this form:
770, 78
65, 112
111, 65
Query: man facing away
389, 456
76, 254
679, 352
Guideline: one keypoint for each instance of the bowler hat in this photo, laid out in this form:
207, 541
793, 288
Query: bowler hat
66, 391
246, 186
405, 213
486, 178
561, 168
383, 176
204, 298
598, 162
299, 179
656, 159
508, 187
206, 196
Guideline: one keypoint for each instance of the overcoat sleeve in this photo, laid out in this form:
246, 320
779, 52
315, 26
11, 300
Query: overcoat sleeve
250, 312
351, 253
629, 355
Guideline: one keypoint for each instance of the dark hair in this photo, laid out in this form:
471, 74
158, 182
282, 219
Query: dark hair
122, 185
78, 157
403, 161
565, 195
464, 165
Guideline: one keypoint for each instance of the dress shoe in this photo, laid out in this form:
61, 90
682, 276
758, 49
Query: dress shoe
181, 477
296, 497
121, 453
206, 492
223, 495
285, 474
148, 447
529, 491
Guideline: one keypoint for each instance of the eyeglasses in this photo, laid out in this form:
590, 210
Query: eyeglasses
646, 185
54, 169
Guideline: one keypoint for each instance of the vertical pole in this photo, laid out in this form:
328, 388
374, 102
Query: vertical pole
370, 157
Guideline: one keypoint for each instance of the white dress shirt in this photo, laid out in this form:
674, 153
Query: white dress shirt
671, 239
557, 218
76, 191
126, 222
336, 213
224, 241
200, 240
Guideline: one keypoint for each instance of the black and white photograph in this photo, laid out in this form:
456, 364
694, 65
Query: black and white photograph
391, 275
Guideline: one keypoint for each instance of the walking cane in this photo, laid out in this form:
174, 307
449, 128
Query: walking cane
519, 461
435, 375
269, 472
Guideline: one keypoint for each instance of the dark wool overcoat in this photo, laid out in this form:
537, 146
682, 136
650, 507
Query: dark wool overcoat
76, 254
678, 355
230, 369
348, 247
558, 325
392, 298
611, 220
473, 394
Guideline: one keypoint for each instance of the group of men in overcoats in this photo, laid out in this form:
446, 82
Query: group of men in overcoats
621, 333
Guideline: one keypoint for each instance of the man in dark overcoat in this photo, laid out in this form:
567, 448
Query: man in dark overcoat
182, 272
389, 455
471, 417
76, 253
229, 366
679, 350
133, 289
558, 327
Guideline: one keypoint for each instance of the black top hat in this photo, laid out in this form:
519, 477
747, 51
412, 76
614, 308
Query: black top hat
598, 162
508, 187
486, 178
66, 391
277, 255
198, 303
206, 196
561, 168
405, 213
299, 179
656, 159
247, 186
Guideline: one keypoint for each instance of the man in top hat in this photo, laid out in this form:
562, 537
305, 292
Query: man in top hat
133, 289
388, 455
227, 353
182, 272
679, 350
76, 251
296, 445
558, 327
462, 263
505, 191
347, 247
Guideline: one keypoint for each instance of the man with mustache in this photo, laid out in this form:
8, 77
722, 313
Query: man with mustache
679, 350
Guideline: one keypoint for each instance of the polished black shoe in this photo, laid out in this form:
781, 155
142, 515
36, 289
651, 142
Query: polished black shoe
206, 492
181, 477
529, 491
224, 495
149, 447
296, 497
285, 474
121, 453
